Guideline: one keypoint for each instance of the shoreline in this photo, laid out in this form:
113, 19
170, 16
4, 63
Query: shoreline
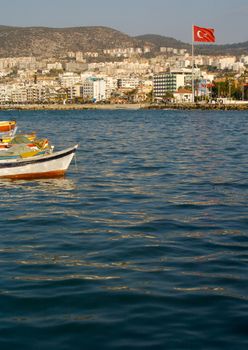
66, 107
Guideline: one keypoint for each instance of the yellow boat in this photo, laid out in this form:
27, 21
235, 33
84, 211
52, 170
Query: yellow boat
6, 126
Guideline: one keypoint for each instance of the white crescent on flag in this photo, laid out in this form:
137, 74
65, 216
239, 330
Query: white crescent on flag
199, 34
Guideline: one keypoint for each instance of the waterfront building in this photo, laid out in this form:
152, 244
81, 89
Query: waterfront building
183, 96
75, 91
38, 93
5, 93
94, 89
167, 82
19, 95
111, 85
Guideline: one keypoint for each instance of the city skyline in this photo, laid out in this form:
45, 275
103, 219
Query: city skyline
138, 17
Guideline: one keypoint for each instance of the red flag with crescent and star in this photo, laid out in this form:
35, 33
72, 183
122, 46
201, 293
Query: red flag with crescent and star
203, 35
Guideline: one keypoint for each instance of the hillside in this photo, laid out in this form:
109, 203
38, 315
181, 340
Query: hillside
49, 42
231, 49
56, 42
158, 41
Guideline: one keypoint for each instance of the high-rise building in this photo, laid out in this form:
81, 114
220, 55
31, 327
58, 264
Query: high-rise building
167, 82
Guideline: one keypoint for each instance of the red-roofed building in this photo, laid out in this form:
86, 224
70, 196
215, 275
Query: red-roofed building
183, 96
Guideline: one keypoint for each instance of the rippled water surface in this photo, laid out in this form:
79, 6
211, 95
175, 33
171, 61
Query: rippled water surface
143, 244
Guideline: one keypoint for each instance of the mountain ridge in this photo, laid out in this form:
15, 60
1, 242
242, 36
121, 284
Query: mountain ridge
214, 49
43, 41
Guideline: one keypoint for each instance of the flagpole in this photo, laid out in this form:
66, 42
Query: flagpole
193, 64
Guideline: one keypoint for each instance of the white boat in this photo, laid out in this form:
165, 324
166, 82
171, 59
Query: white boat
42, 166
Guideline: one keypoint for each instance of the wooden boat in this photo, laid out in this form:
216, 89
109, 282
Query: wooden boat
6, 138
7, 126
41, 166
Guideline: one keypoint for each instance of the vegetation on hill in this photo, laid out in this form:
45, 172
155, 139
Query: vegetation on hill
56, 42
158, 41
49, 42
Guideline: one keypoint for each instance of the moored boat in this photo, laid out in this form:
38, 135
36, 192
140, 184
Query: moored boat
39, 166
7, 126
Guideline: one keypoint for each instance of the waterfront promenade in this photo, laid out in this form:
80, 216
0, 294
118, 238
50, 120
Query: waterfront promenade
181, 106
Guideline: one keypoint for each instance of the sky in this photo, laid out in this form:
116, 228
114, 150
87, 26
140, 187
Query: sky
173, 18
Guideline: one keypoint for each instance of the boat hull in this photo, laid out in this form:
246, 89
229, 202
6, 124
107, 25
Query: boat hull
48, 166
6, 126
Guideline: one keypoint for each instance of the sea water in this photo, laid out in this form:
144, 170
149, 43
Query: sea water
142, 245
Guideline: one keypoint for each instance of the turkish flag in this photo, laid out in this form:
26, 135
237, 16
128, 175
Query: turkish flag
204, 35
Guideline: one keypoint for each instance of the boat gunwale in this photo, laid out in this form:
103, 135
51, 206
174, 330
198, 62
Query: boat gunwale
37, 159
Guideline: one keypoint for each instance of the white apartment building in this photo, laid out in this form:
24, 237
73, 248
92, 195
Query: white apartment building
125, 52
127, 83
111, 85
5, 91
19, 95
69, 79
38, 93
172, 50
226, 62
110, 82
116, 68
244, 59
19, 62
94, 89
75, 91
238, 66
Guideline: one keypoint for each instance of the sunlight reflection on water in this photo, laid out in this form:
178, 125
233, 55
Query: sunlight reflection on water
144, 242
